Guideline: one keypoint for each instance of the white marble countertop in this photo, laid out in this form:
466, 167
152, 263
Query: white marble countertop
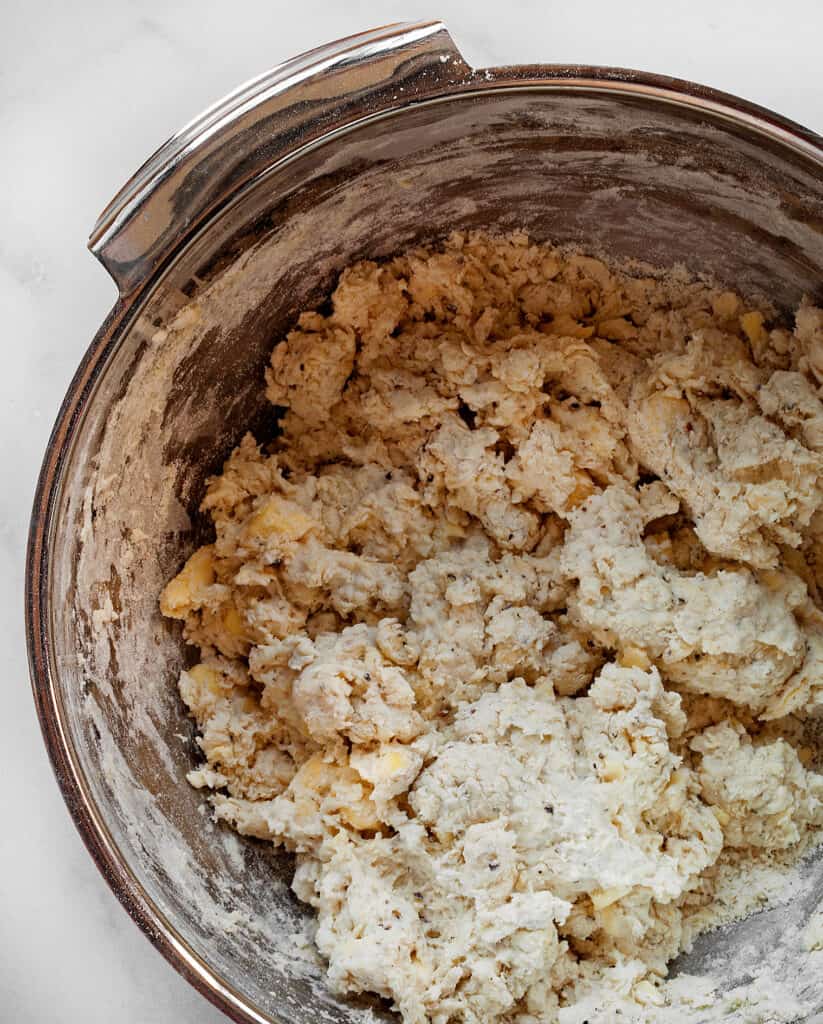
88, 89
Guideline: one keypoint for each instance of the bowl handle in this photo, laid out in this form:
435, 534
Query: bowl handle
198, 171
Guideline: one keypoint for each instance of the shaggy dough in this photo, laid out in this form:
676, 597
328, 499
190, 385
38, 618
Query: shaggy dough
511, 634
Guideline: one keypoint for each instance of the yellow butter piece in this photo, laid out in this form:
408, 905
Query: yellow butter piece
221, 752
634, 657
233, 622
612, 770
207, 678
752, 324
396, 761
388, 763
278, 516
185, 590
603, 898
583, 488
322, 779
362, 816
315, 773
667, 409
726, 305
648, 994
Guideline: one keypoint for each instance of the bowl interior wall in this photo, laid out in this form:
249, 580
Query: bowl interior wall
618, 174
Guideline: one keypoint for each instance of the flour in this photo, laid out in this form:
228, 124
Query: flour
514, 636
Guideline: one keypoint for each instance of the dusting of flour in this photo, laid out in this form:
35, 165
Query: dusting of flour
514, 638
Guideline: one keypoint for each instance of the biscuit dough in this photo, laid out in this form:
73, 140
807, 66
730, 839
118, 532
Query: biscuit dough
513, 632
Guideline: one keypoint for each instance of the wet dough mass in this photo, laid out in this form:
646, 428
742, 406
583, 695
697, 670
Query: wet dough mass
514, 633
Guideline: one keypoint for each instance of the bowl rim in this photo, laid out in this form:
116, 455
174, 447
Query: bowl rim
44, 676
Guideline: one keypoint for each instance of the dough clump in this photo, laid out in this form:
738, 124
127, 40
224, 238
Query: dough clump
512, 632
